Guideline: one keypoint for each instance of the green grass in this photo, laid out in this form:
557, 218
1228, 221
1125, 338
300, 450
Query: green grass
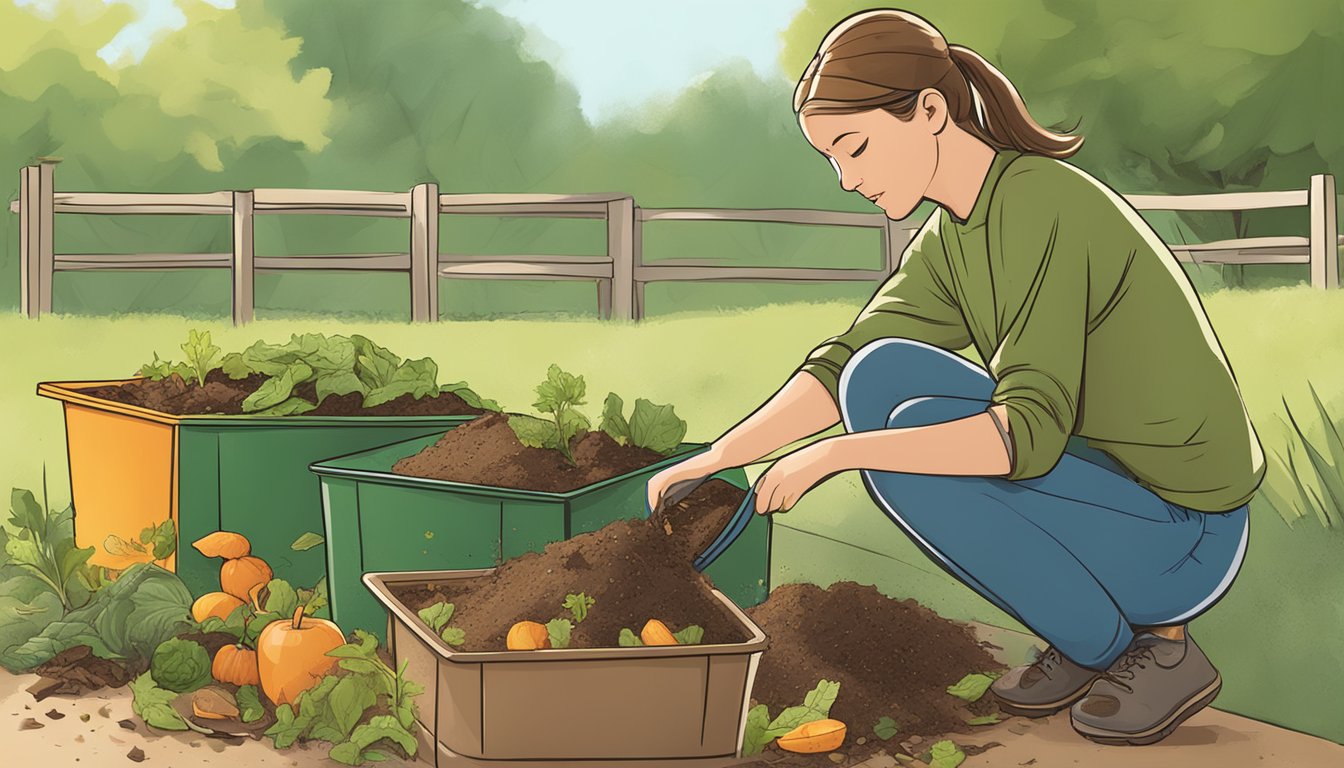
1275, 637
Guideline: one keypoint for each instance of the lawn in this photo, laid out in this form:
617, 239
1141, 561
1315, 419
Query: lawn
1266, 636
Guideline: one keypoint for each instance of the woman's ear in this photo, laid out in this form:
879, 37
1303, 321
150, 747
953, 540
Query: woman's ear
932, 108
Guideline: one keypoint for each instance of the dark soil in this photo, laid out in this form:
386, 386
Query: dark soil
631, 568
891, 657
222, 395
487, 452
76, 671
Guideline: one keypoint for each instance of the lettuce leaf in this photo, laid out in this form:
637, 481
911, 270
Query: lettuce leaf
656, 427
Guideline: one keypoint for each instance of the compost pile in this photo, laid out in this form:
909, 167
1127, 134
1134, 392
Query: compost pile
488, 447
892, 658
76, 671
223, 395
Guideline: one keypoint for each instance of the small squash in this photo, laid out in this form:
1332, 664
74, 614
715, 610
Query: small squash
216, 604
238, 576
813, 737
656, 632
225, 544
292, 655
528, 636
237, 665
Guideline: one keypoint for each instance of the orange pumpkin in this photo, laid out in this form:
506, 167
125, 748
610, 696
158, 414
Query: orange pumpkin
528, 636
292, 655
656, 632
813, 737
225, 544
217, 604
238, 576
237, 665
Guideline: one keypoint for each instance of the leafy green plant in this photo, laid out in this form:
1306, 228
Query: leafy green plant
760, 730
156, 543
335, 710
689, 635
629, 639
578, 605
335, 365
945, 754
559, 395
437, 617
44, 547
201, 359
651, 426
154, 705
180, 665
250, 708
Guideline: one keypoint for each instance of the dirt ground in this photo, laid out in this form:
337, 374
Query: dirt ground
1211, 739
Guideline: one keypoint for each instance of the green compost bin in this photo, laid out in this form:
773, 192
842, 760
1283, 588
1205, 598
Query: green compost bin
377, 520
250, 476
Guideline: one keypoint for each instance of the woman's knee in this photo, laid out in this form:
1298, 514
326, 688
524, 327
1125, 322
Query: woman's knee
887, 372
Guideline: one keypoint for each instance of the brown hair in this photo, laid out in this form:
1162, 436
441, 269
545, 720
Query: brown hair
883, 58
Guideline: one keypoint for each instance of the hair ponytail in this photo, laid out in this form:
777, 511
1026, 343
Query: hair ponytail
883, 58
1002, 119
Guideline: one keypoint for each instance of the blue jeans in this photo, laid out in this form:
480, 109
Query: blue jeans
1080, 555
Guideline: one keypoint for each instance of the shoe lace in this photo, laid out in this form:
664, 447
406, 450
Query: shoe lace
1127, 666
1049, 661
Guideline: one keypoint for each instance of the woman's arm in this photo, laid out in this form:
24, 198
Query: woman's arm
802, 407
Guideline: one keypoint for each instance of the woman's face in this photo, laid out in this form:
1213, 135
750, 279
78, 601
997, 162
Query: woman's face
879, 155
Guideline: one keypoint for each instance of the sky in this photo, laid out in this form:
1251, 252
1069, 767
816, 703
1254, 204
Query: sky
647, 49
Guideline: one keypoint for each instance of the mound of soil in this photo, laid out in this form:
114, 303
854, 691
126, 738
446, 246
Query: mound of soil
632, 569
224, 395
892, 658
76, 671
487, 452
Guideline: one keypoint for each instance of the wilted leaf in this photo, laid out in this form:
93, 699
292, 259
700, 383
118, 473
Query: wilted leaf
971, 687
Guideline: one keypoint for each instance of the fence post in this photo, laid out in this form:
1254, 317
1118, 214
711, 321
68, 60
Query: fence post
620, 248
243, 241
425, 252
1324, 234
37, 209
637, 257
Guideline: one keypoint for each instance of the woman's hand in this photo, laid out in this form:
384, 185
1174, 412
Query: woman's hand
785, 482
699, 465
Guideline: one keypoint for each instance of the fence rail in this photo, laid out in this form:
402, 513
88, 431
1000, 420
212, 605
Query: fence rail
620, 274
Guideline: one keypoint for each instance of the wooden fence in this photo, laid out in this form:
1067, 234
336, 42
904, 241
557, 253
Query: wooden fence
620, 274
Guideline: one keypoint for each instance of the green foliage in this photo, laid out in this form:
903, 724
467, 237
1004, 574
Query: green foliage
983, 720
629, 639
559, 631
437, 617
180, 665
156, 543
971, 687
761, 730
886, 728
250, 708
314, 599
44, 547
559, 395
154, 704
690, 635
334, 709
655, 427
578, 605
1318, 481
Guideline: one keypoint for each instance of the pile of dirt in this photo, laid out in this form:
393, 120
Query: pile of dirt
632, 569
76, 671
486, 451
222, 395
892, 658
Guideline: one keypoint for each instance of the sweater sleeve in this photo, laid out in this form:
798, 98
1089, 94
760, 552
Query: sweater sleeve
913, 303
1038, 365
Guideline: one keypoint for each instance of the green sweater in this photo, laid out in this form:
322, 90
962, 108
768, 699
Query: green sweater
1089, 327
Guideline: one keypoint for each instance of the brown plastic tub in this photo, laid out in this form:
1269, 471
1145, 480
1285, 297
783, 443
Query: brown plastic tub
642, 706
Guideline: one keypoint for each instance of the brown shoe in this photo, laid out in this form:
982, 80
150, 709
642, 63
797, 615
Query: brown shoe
1047, 685
1152, 688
